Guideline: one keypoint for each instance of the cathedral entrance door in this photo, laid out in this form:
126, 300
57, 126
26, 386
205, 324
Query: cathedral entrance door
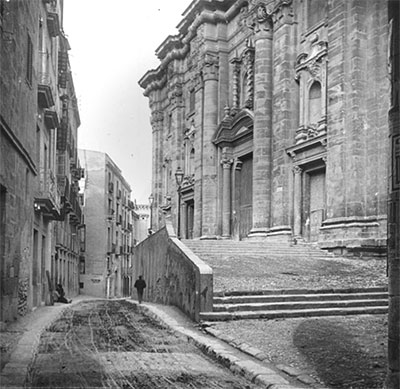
243, 203
317, 204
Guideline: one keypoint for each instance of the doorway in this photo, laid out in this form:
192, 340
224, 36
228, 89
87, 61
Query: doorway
243, 197
316, 204
189, 219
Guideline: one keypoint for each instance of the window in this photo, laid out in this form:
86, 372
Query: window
29, 61
314, 107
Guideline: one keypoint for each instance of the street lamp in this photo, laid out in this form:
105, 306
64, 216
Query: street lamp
151, 199
179, 179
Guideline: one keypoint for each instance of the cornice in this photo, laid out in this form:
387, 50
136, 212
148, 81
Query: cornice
177, 46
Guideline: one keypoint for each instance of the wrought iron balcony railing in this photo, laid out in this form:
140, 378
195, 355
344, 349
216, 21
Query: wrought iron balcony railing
48, 198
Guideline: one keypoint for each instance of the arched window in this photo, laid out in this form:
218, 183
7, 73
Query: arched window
314, 103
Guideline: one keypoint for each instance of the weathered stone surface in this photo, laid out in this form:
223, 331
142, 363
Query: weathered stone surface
315, 95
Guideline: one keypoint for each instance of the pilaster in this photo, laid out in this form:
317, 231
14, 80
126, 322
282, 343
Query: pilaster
226, 196
262, 131
209, 166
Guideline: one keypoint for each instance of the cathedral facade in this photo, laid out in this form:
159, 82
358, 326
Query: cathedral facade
274, 113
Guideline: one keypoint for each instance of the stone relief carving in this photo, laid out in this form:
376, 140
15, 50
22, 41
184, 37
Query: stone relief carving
209, 66
248, 62
196, 48
175, 95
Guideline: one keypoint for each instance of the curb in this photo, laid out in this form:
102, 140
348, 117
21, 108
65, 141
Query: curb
258, 354
254, 371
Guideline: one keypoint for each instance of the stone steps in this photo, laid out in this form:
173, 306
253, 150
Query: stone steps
238, 259
269, 299
296, 303
274, 314
217, 248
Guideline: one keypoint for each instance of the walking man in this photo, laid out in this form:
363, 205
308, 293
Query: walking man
140, 284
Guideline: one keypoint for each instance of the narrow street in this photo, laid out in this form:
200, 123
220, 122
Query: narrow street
114, 344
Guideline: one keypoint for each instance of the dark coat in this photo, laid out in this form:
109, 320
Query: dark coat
140, 284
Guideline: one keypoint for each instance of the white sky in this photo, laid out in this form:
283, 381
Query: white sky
113, 44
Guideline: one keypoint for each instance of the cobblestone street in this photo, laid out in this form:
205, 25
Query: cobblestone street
114, 344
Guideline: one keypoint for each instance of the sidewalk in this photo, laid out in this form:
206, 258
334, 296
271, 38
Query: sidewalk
20, 340
25, 336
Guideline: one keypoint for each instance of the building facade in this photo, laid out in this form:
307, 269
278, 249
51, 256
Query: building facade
276, 112
37, 108
106, 269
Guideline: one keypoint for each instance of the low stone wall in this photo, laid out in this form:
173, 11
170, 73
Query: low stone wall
174, 274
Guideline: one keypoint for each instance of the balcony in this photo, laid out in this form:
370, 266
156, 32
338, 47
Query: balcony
51, 119
62, 68
70, 200
47, 198
53, 24
46, 82
62, 134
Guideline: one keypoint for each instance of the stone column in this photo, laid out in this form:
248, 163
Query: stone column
285, 119
210, 121
226, 197
393, 372
237, 167
156, 123
262, 132
297, 201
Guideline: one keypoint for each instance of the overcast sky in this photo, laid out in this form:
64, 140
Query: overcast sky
113, 44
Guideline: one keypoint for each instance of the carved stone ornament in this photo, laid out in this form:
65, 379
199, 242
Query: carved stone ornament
283, 13
242, 16
210, 66
226, 163
175, 94
248, 62
261, 21
297, 169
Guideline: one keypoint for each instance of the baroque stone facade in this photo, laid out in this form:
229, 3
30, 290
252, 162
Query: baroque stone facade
276, 111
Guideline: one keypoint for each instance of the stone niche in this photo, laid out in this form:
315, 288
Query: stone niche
311, 71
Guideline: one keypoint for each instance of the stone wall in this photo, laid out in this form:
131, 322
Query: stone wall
393, 376
173, 274
17, 157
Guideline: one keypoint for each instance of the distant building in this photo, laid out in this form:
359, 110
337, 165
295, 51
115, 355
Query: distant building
276, 112
142, 222
40, 214
109, 228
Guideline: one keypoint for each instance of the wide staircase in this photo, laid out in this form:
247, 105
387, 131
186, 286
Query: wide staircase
258, 279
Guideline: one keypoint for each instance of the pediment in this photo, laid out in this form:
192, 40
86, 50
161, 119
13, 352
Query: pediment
232, 129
